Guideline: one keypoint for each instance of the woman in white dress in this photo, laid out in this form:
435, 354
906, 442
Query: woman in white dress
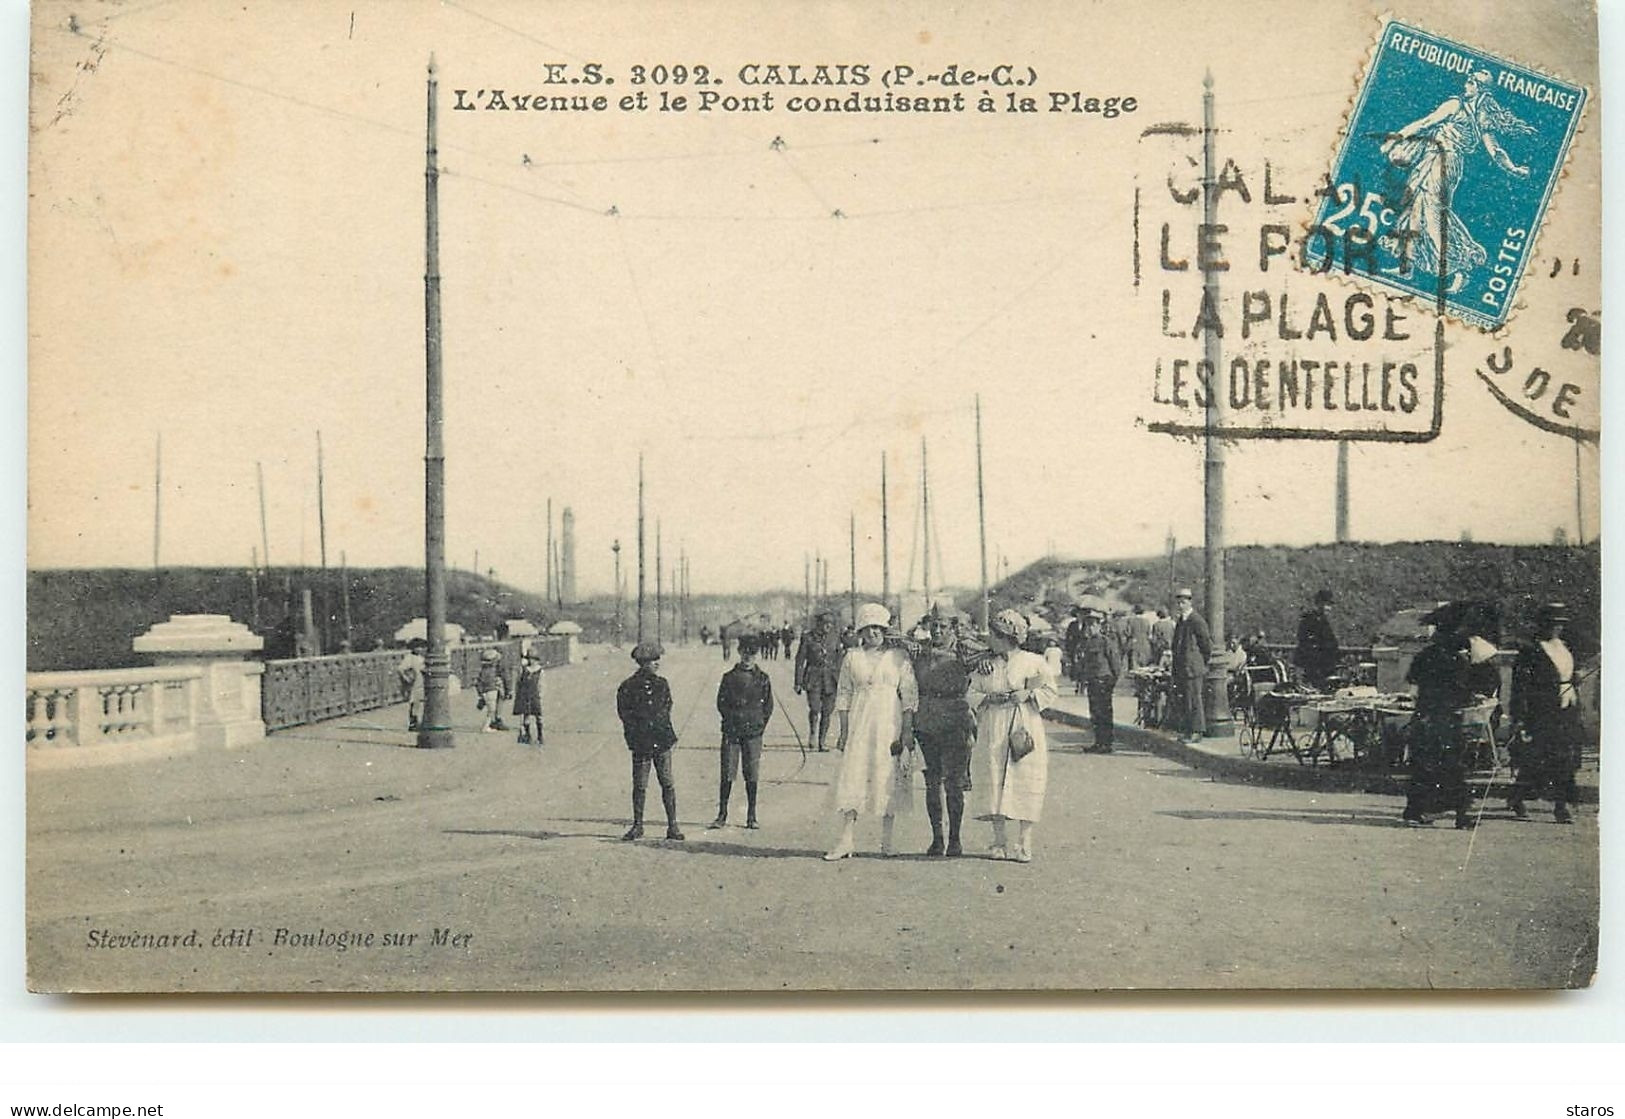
875, 702
1011, 695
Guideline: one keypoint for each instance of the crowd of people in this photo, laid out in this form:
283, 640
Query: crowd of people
941, 695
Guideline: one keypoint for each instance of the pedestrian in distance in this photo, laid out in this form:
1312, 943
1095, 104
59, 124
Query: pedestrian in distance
875, 702
1099, 665
1007, 701
1072, 642
1162, 636
818, 674
410, 673
1191, 646
643, 702
1317, 653
1545, 704
527, 698
492, 686
745, 702
944, 729
1139, 638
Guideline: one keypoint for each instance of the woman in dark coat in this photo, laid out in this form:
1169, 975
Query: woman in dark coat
1546, 707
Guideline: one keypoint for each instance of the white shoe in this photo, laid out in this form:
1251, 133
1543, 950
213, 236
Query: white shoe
1021, 855
997, 852
842, 851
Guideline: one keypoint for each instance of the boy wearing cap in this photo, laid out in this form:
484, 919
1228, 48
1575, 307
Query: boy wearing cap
492, 686
410, 673
745, 702
643, 702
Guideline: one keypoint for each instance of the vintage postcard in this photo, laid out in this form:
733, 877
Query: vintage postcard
728, 496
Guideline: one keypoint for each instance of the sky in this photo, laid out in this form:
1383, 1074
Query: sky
226, 251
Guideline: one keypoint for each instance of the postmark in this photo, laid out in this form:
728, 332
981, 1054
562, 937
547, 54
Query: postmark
1444, 174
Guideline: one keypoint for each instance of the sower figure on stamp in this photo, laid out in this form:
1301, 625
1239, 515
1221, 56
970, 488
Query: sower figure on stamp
644, 704
745, 702
818, 674
1098, 667
1545, 704
945, 729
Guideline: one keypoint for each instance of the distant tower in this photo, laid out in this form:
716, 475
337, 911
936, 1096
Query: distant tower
567, 557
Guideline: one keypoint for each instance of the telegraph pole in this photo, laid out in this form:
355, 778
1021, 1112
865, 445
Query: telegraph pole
806, 589
885, 539
981, 510
1342, 491
254, 584
925, 517
265, 536
551, 566
1217, 699
640, 548
158, 496
435, 729
321, 532
852, 546
1579, 504
660, 605
616, 548
344, 588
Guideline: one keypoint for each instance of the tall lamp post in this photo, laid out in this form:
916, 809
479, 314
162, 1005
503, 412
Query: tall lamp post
434, 732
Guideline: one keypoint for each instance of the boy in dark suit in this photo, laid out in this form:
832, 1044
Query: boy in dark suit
745, 702
644, 704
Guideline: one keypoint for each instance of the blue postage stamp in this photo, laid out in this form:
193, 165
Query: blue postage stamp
1449, 160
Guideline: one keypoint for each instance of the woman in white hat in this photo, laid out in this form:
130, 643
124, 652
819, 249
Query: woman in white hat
875, 702
1010, 733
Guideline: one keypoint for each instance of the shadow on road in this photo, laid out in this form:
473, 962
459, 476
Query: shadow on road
1361, 819
734, 850
520, 834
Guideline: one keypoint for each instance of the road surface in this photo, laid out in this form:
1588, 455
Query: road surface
499, 866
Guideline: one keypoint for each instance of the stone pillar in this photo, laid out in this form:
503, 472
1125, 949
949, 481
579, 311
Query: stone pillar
228, 698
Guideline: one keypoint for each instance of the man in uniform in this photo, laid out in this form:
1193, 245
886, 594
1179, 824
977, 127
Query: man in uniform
745, 702
1097, 668
1545, 704
1192, 646
1317, 652
818, 671
644, 704
944, 728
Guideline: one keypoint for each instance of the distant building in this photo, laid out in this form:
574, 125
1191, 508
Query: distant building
567, 558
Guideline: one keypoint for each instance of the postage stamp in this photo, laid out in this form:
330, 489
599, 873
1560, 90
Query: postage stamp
1444, 174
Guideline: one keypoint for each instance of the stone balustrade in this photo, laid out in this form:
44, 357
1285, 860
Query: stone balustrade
91, 718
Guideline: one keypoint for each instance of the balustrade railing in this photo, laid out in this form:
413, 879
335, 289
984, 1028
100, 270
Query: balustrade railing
73, 710
310, 689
